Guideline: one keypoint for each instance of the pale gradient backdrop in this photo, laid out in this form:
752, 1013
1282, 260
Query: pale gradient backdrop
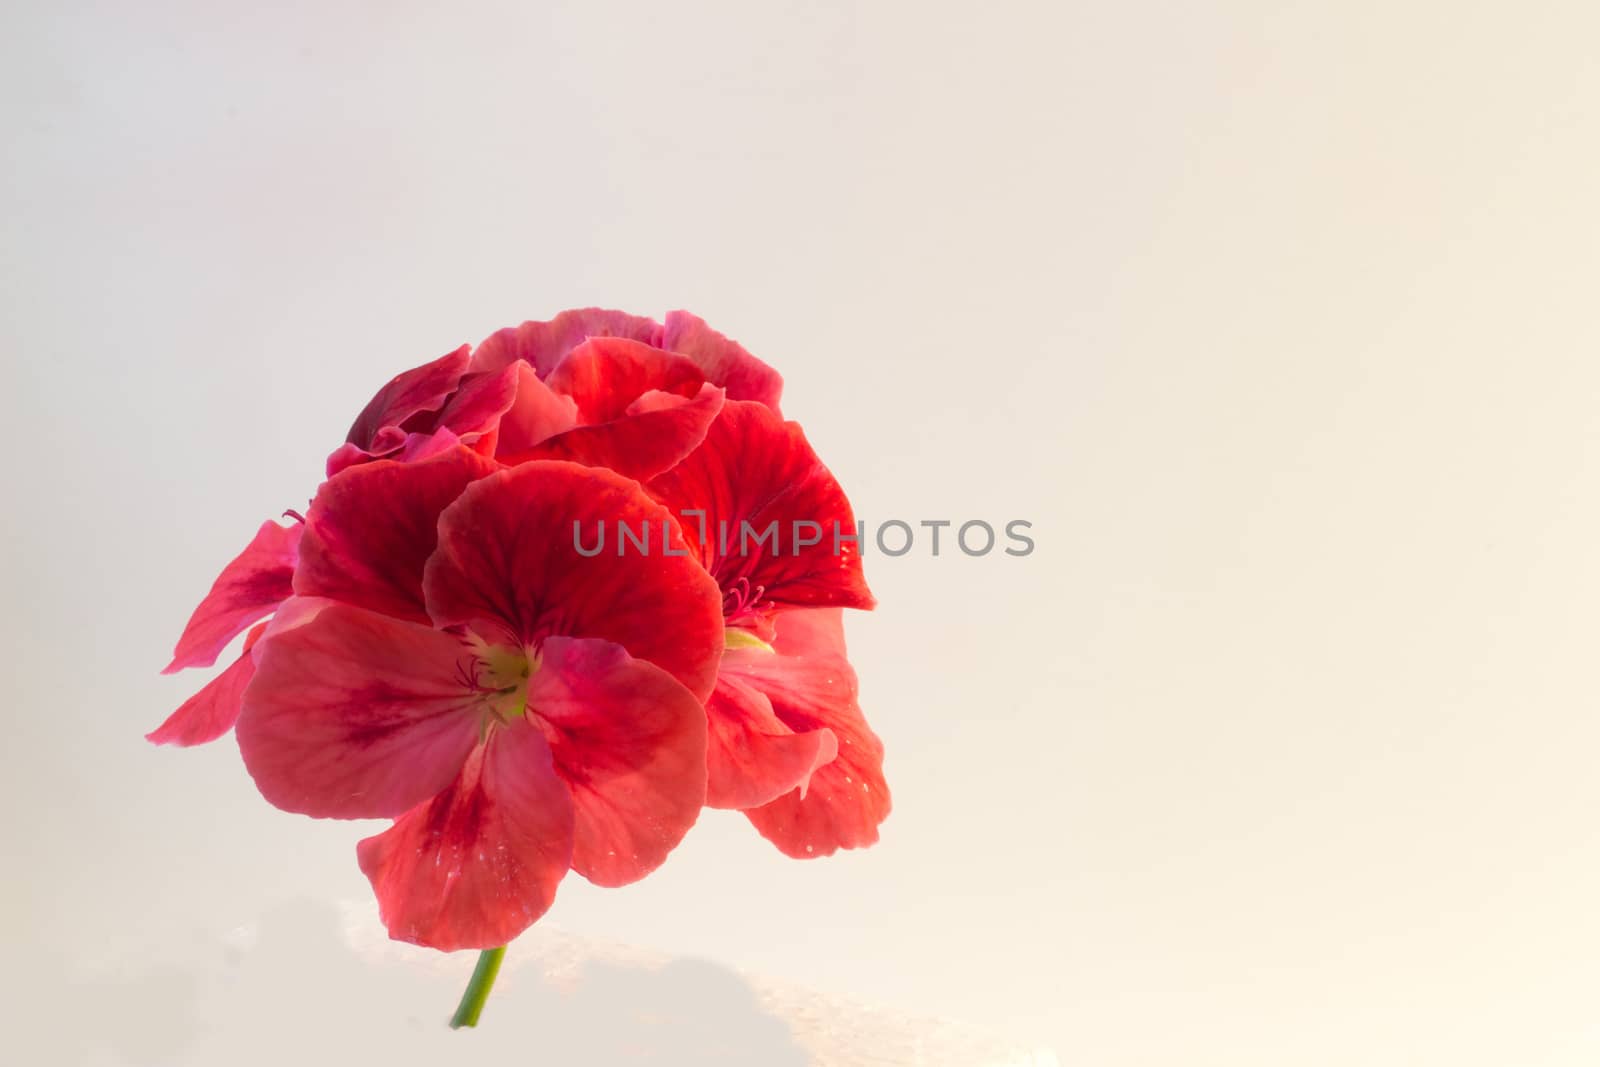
1277, 320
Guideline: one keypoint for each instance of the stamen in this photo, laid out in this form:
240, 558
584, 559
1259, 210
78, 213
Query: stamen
467, 673
740, 601
733, 600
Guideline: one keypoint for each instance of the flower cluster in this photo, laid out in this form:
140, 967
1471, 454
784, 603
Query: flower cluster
427, 644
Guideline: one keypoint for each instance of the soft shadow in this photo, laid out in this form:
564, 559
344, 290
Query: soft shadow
293, 991
688, 1012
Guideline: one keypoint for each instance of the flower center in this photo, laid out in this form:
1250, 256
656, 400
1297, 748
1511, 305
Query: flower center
500, 675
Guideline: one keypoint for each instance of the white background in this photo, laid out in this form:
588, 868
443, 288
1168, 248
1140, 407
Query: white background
1276, 320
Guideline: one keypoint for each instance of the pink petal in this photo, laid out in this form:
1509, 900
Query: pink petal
371, 528
753, 468
631, 742
357, 715
544, 344
752, 756
508, 566
421, 446
379, 428
296, 611
660, 430
723, 361
477, 864
811, 686
536, 415
211, 712
475, 409
347, 455
254, 583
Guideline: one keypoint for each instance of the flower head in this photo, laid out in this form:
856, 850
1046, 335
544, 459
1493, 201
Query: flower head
428, 644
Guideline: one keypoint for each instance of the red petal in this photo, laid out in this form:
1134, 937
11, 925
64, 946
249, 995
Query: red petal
723, 361
477, 864
536, 415
543, 344
811, 686
605, 375
211, 712
508, 566
347, 455
660, 430
354, 715
752, 756
254, 583
641, 409
379, 427
371, 528
755, 468
631, 742
475, 409
296, 611
421, 446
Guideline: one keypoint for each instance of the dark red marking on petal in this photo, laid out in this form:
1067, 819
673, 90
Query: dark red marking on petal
354, 714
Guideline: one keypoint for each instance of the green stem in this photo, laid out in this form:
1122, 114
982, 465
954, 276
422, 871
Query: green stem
478, 988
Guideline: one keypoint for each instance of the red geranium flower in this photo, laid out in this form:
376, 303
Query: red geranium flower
444, 654
788, 742
454, 663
